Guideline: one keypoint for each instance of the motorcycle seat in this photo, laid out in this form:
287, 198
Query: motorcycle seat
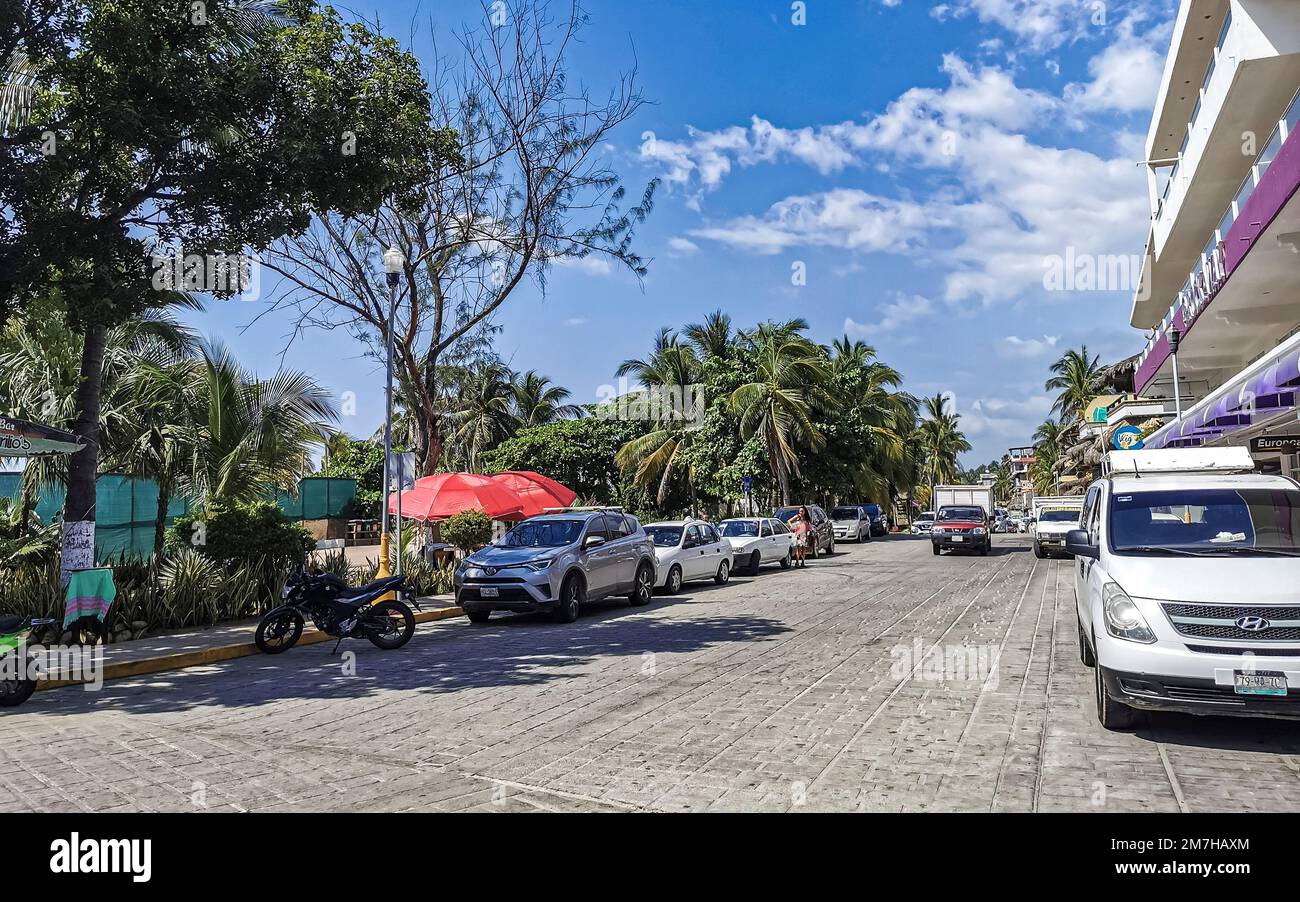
371, 590
10, 623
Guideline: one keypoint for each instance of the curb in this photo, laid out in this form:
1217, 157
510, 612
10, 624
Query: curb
182, 660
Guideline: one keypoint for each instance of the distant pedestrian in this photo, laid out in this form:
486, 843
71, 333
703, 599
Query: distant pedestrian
801, 526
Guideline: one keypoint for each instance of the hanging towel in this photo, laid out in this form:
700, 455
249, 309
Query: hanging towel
90, 594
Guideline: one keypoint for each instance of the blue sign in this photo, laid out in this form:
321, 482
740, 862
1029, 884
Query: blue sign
1128, 438
747, 485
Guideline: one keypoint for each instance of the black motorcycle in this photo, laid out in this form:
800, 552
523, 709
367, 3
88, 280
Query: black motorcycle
337, 610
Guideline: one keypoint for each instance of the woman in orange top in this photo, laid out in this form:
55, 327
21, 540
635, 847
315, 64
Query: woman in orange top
801, 526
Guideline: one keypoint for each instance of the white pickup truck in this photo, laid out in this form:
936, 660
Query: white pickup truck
1053, 517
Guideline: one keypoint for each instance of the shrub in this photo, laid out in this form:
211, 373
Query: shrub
237, 535
467, 530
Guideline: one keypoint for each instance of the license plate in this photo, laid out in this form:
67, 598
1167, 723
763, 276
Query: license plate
1259, 682
959, 538
489, 592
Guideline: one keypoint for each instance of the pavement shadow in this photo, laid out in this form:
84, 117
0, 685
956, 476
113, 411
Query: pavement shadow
1233, 734
453, 656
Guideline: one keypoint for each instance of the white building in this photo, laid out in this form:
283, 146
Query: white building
1222, 269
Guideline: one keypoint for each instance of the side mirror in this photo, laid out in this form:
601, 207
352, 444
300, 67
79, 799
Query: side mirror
1077, 543
592, 542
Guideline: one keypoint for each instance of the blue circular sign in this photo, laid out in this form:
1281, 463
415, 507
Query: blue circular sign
1127, 438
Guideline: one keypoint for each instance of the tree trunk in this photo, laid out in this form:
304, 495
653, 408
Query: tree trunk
83, 467
160, 528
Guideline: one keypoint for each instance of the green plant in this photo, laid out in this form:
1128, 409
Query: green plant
424, 578
467, 530
191, 583
234, 535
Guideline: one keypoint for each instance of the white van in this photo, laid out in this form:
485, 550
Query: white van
1187, 582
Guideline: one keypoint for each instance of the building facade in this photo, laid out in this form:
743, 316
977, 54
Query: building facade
1219, 294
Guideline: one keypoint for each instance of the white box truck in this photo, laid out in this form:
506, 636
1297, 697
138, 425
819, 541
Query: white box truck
950, 495
1053, 517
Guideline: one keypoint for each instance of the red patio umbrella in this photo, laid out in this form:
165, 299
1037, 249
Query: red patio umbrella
539, 493
442, 495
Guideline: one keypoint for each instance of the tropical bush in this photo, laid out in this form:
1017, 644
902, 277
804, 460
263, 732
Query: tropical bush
467, 530
242, 533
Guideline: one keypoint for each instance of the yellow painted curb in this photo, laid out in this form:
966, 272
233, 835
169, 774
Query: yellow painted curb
218, 653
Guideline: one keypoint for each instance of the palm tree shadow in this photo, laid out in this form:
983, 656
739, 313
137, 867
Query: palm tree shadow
519, 650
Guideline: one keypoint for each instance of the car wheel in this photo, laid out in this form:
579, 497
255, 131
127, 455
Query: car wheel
478, 616
788, 561
1110, 714
723, 576
935, 548
643, 586
673, 584
1038, 551
572, 594
986, 548
755, 561
830, 546
1085, 650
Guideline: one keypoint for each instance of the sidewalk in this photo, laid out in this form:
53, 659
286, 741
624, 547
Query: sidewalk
208, 645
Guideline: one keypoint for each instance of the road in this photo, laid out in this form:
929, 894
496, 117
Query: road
816, 689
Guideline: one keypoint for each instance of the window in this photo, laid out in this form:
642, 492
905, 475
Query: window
598, 527
767, 529
543, 534
740, 529
1087, 517
693, 537
665, 536
617, 526
1206, 522
779, 527
710, 534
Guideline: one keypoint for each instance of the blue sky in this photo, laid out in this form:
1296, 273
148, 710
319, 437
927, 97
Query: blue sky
919, 161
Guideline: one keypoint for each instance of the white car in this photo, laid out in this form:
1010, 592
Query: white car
688, 550
1051, 528
851, 523
922, 525
1187, 580
756, 541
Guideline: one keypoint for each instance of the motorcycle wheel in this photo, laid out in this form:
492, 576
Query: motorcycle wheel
14, 692
279, 631
389, 625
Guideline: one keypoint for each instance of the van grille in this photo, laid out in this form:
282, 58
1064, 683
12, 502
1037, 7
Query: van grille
1207, 621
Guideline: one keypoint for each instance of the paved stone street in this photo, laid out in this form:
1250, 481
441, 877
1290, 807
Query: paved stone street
814, 689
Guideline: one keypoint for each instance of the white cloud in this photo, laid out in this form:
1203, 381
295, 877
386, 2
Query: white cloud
1005, 420
1126, 75
902, 310
592, 266
1026, 348
844, 218
576, 321
682, 247
1039, 25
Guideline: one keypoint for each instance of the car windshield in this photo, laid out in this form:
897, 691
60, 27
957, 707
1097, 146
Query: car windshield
962, 513
665, 536
739, 529
1206, 522
1063, 516
846, 513
926, 516
872, 510
785, 513
543, 534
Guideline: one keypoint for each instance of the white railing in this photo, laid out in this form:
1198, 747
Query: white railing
1210, 271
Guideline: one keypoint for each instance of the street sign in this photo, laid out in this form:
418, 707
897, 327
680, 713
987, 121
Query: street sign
1275, 444
20, 438
1127, 438
746, 485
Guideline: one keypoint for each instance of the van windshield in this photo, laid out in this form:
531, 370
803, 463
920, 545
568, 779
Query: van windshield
1206, 522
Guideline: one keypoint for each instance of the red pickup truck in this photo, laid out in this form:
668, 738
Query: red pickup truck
961, 526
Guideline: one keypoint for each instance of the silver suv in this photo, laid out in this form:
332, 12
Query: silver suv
556, 563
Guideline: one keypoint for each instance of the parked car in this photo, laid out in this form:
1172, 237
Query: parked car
688, 550
558, 562
758, 540
1186, 570
823, 532
924, 522
876, 514
961, 527
851, 523
1051, 527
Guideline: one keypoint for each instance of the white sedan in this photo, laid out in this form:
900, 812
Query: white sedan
758, 540
688, 550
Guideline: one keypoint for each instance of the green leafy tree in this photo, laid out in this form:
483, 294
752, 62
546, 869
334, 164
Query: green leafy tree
135, 127
362, 461
1077, 378
467, 530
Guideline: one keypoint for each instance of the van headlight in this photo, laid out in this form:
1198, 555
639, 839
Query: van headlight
1123, 619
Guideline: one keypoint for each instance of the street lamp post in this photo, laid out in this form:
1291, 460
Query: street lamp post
394, 263
1174, 338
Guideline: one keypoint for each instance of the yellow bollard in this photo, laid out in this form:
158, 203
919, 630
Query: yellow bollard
383, 570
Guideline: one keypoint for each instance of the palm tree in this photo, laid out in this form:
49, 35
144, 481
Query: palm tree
483, 418
940, 442
537, 402
1050, 439
1077, 378
787, 383
711, 338
249, 433
657, 457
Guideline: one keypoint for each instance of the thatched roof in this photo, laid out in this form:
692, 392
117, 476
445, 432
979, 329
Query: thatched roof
1120, 374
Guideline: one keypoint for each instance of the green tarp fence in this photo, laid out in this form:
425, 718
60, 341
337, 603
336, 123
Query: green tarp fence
126, 509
